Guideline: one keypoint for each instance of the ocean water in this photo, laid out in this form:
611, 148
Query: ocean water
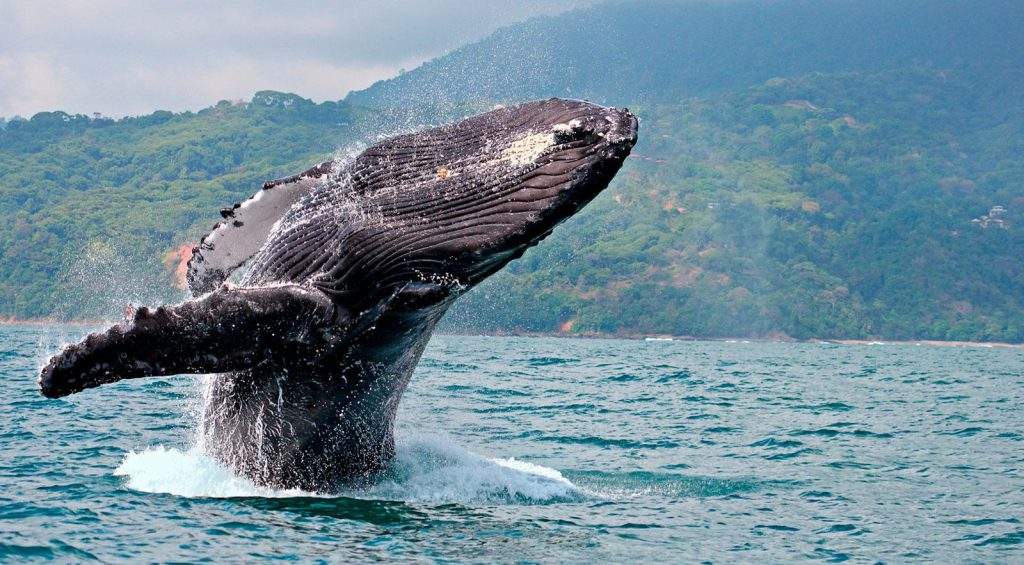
537, 449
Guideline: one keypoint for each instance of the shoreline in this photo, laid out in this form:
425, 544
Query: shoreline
35, 322
932, 342
755, 339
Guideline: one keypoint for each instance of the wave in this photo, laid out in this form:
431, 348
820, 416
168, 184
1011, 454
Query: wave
425, 470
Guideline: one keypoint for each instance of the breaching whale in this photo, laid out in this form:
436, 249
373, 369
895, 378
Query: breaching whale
350, 266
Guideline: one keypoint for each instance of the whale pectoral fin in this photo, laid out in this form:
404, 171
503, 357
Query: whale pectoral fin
245, 227
226, 330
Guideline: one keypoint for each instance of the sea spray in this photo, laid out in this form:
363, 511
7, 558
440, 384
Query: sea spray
426, 469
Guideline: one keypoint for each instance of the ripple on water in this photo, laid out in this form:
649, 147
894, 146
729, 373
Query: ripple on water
965, 432
449, 366
1008, 539
485, 391
777, 527
675, 376
772, 443
624, 378
547, 361
831, 432
625, 485
793, 454
604, 442
827, 407
983, 521
56, 550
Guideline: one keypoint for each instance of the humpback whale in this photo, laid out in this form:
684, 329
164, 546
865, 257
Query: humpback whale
348, 268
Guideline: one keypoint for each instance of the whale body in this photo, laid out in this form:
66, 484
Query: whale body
350, 265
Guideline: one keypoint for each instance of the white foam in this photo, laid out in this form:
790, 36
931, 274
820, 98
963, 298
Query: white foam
433, 469
426, 469
190, 474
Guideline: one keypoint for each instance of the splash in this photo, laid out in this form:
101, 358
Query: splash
190, 474
425, 470
105, 275
434, 469
176, 262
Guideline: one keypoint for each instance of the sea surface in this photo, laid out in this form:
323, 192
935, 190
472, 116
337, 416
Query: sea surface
545, 449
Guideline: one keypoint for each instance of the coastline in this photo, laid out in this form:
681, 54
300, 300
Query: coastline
757, 339
932, 342
780, 338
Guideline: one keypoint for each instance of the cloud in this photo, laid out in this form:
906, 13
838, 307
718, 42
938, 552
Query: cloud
123, 58
32, 81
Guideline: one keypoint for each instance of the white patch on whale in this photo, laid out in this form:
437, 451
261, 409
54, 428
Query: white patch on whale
526, 149
566, 128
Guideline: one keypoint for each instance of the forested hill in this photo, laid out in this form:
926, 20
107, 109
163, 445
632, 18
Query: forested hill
662, 51
821, 200
94, 207
860, 204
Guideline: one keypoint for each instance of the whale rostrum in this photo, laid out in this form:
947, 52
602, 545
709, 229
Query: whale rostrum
350, 265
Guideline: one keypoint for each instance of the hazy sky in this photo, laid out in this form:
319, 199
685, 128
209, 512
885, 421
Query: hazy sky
123, 58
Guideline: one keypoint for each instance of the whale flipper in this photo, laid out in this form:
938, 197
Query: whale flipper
245, 227
229, 329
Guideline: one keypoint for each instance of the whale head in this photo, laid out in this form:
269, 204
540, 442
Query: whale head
444, 208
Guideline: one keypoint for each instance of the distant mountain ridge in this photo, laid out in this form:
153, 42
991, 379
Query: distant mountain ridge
644, 52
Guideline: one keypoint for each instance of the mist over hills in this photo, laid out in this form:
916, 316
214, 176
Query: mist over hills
809, 169
658, 51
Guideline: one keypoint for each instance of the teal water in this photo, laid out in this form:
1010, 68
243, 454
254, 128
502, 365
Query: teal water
555, 450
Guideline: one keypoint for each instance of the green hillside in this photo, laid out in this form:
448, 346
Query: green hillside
816, 206
89, 201
796, 179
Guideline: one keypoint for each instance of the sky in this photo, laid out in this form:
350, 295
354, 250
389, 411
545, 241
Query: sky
131, 58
